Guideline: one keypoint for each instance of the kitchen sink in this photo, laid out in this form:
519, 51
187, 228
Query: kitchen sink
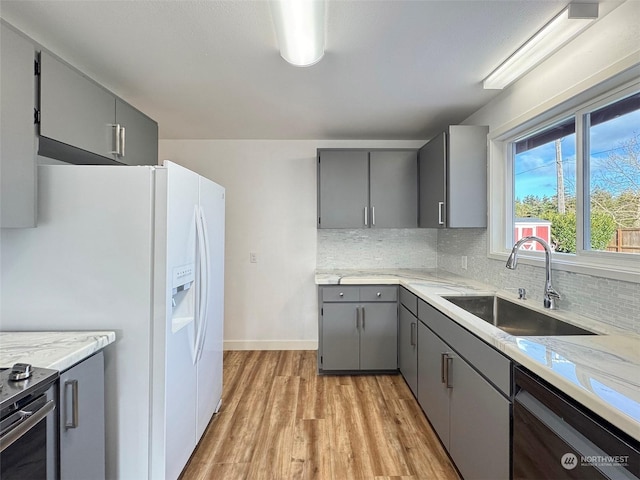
513, 318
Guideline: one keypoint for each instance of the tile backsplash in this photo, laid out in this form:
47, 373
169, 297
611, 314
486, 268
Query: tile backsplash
373, 248
610, 301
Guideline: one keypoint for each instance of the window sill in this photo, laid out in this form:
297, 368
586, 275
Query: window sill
626, 273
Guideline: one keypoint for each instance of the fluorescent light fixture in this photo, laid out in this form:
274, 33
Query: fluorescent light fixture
300, 30
566, 25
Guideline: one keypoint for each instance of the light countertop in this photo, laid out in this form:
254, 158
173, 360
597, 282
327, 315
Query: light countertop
55, 350
602, 372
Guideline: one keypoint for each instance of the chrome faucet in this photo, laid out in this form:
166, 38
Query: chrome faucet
550, 294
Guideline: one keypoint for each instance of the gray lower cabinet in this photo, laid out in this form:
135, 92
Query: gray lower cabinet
77, 112
82, 434
453, 178
358, 329
479, 424
408, 348
433, 394
17, 130
367, 188
470, 414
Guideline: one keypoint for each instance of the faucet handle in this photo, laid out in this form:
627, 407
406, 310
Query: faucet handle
522, 294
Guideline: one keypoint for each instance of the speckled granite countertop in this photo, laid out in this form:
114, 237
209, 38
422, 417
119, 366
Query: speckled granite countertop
55, 350
602, 372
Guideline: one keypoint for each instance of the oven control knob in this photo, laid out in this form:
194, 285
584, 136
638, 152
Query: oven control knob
20, 371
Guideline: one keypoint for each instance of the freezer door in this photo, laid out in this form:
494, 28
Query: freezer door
182, 297
209, 366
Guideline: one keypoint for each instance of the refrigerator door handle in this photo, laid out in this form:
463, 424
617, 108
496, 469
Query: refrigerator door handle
199, 299
204, 290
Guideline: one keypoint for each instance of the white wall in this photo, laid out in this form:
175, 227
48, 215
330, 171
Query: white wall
271, 210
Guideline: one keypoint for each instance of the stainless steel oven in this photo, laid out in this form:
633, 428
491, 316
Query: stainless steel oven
28, 423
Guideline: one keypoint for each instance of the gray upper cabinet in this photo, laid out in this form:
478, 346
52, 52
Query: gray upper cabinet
139, 135
394, 189
17, 130
77, 112
453, 178
367, 188
343, 188
74, 110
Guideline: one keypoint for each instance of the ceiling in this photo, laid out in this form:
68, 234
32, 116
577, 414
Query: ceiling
393, 69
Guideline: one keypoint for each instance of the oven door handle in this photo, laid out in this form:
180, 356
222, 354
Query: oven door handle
27, 424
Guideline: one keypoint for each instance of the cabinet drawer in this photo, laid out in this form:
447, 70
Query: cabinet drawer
484, 358
409, 300
378, 294
340, 294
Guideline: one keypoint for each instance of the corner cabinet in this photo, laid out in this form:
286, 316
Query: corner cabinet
77, 112
453, 178
358, 329
464, 389
367, 188
81, 419
17, 130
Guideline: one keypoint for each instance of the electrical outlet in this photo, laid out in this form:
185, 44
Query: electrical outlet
463, 262
253, 257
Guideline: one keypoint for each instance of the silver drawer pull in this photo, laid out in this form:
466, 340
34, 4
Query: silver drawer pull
378, 294
341, 294
73, 423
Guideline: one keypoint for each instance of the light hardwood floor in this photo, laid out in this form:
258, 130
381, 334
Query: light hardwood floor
280, 420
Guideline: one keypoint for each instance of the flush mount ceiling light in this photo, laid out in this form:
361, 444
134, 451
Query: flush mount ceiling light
566, 25
300, 30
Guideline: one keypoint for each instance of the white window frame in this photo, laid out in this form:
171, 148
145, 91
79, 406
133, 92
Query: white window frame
500, 188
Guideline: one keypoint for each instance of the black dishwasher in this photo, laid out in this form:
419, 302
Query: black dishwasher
555, 438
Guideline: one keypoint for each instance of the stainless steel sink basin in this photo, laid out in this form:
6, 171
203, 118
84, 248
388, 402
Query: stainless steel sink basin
513, 318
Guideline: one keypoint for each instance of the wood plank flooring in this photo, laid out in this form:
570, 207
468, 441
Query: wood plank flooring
280, 420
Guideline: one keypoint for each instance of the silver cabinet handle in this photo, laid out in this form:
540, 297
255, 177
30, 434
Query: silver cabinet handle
413, 334
443, 361
116, 137
366, 216
73, 423
378, 294
357, 318
122, 141
440, 213
341, 294
373, 216
362, 317
448, 366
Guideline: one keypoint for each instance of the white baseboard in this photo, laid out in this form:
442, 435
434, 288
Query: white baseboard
270, 345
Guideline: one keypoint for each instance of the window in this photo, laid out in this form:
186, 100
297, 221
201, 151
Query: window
573, 179
612, 199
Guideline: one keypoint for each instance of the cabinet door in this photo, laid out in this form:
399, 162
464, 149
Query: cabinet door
17, 131
467, 176
343, 189
379, 336
480, 416
433, 394
340, 336
433, 171
408, 348
140, 136
82, 440
393, 187
75, 110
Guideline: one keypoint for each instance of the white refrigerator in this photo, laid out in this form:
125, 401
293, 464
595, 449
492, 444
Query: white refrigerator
138, 250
